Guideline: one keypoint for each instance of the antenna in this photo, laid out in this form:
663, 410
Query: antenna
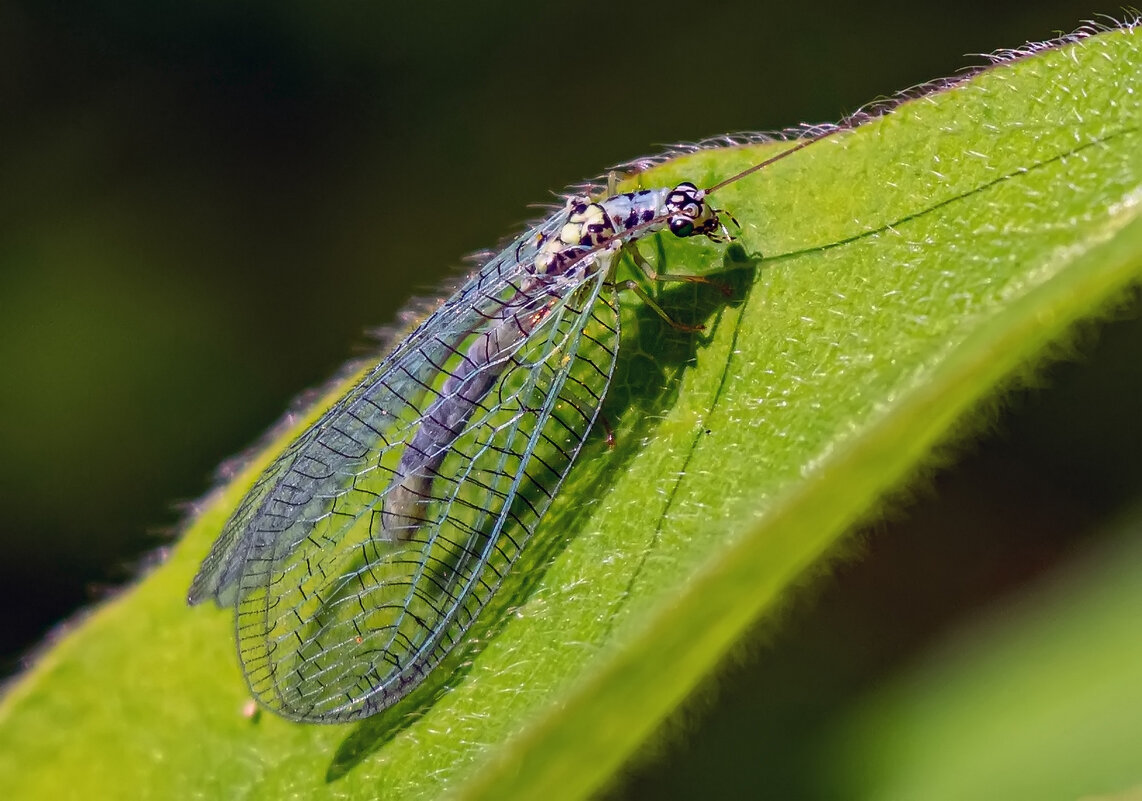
811, 141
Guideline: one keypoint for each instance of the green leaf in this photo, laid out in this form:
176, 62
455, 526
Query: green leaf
1041, 702
885, 282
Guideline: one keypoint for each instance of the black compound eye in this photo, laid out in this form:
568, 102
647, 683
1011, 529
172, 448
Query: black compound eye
681, 226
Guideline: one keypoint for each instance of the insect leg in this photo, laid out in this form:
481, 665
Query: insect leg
644, 267
637, 288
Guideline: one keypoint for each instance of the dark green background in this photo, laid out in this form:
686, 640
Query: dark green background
205, 206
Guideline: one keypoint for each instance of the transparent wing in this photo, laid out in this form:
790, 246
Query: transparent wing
361, 557
467, 309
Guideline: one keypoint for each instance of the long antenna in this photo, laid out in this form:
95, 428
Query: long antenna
805, 143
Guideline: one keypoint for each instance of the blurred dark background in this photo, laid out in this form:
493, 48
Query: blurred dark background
204, 206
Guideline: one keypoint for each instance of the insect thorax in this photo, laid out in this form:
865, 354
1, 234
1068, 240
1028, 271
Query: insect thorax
590, 226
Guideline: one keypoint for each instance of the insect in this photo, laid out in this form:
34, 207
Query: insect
363, 554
